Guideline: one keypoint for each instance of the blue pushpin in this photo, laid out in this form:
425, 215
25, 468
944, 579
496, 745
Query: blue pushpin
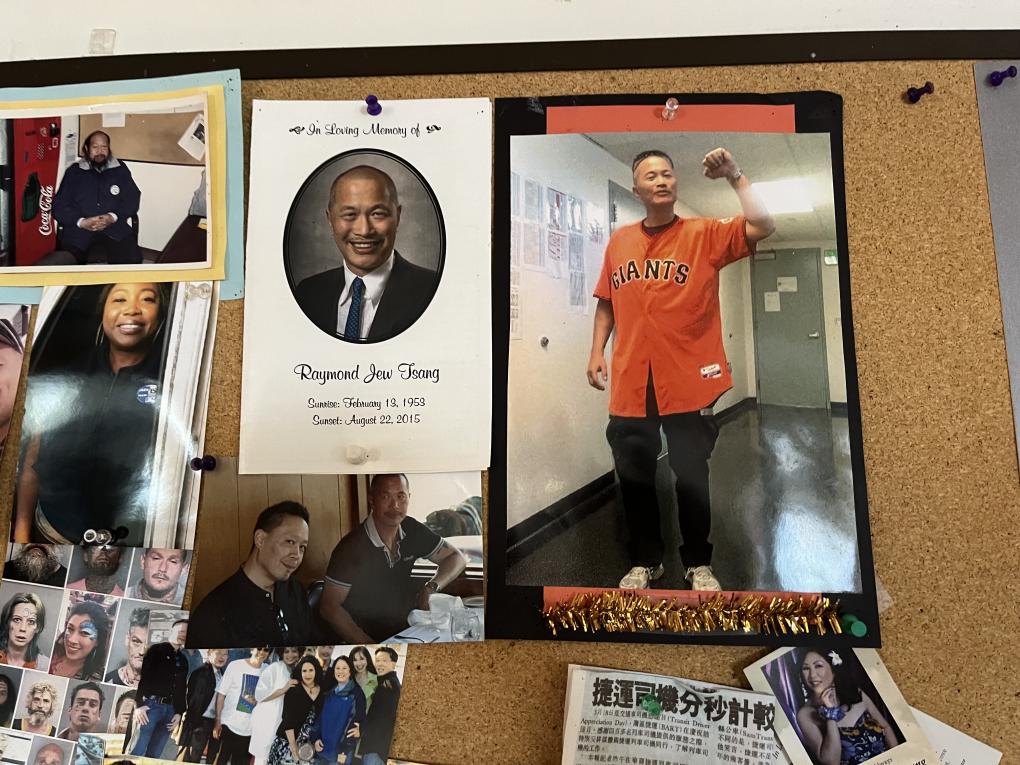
374, 107
914, 94
995, 79
207, 462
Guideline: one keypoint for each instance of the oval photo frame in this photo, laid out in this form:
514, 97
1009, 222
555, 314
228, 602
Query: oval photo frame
314, 265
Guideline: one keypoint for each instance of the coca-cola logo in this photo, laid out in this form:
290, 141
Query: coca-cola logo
45, 207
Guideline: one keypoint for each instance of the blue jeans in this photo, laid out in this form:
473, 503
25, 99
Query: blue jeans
372, 759
152, 736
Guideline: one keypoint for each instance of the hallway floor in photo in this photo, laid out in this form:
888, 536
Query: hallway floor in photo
782, 514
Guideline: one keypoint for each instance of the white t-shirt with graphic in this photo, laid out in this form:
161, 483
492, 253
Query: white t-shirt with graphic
239, 680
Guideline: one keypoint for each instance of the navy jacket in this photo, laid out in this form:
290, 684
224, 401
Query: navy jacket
408, 292
85, 192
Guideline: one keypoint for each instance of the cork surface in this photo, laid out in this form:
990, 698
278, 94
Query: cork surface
938, 437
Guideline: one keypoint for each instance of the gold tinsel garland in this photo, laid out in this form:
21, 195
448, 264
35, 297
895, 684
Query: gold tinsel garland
615, 611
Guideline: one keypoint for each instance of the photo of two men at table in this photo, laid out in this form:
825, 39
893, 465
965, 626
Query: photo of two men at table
303, 560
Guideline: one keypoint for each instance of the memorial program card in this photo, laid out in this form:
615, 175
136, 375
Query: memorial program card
367, 321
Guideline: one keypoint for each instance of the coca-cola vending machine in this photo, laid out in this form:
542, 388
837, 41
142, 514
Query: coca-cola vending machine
35, 162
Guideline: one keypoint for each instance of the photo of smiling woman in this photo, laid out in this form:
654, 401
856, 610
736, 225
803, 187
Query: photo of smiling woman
832, 705
92, 471
105, 376
81, 647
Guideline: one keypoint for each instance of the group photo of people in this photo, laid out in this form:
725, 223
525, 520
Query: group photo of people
265, 706
679, 292
391, 557
105, 190
112, 385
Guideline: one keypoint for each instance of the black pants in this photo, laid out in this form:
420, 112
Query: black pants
122, 252
233, 748
201, 736
635, 441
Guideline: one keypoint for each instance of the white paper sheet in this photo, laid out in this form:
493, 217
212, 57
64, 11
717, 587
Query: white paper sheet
955, 747
417, 401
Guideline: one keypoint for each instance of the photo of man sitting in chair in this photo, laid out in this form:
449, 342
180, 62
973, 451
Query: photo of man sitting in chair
103, 190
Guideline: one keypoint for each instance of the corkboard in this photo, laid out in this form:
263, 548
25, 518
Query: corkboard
938, 437
147, 137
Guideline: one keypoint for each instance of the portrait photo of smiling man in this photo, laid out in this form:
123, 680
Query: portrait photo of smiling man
261, 604
364, 251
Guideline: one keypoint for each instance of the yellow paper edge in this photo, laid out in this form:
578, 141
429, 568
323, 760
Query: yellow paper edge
217, 148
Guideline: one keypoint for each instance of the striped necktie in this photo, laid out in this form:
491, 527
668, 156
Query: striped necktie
352, 330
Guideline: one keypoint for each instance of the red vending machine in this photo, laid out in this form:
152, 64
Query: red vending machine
35, 161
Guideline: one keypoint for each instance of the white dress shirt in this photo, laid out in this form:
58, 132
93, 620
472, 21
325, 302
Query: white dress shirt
375, 285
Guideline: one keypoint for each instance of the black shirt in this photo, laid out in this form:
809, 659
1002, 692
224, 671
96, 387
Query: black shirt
381, 592
296, 706
165, 675
382, 716
96, 451
239, 613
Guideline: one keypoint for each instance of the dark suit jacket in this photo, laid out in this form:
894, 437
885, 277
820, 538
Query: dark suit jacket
201, 687
408, 292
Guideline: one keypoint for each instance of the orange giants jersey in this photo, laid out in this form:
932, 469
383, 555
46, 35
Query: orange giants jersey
665, 294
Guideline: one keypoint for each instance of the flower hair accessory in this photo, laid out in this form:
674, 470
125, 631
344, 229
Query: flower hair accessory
836, 659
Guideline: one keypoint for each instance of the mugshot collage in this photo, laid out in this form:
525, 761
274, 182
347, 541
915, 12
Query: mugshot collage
454, 414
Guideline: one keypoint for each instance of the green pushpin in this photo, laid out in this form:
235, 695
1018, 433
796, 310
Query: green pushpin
853, 625
651, 705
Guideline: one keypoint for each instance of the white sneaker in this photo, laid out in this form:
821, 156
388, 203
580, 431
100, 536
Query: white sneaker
702, 578
639, 576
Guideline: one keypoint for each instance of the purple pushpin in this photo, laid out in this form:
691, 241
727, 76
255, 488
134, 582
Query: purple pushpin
373, 106
997, 78
914, 94
207, 462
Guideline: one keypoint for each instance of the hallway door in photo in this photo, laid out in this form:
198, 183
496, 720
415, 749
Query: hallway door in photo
789, 328
623, 207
